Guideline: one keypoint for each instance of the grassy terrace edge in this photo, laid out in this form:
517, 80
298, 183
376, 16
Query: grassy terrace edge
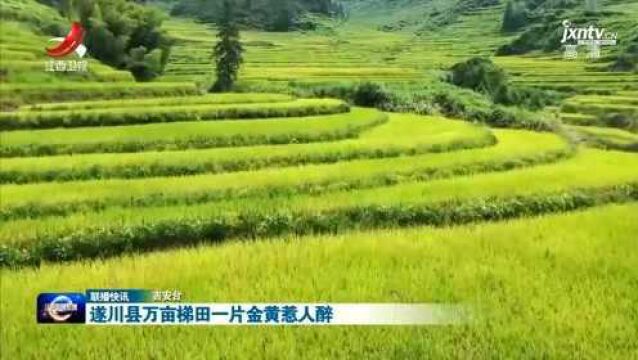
401, 135
189, 135
225, 98
74, 91
514, 149
530, 277
109, 242
126, 116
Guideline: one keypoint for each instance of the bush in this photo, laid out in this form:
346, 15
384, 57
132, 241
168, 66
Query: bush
482, 75
628, 60
531, 98
478, 74
621, 121
514, 17
450, 105
371, 95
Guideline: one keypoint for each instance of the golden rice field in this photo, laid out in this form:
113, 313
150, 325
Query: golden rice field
269, 197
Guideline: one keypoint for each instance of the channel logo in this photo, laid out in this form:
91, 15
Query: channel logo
72, 42
61, 308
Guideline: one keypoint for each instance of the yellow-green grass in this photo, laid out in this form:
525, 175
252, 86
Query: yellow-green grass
600, 108
588, 170
403, 134
358, 42
514, 149
185, 135
604, 100
70, 91
579, 119
17, 55
580, 77
323, 71
95, 70
174, 113
229, 98
303, 71
579, 83
608, 137
560, 286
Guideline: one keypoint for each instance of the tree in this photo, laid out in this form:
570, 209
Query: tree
478, 74
283, 15
514, 17
122, 34
228, 51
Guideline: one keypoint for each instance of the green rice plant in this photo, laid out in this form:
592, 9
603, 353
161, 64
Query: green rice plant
18, 55
514, 149
209, 99
100, 242
189, 135
578, 119
603, 100
598, 109
403, 135
608, 138
590, 178
73, 91
125, 116
527, 281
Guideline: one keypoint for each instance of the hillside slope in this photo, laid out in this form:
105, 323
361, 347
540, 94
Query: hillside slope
284, 193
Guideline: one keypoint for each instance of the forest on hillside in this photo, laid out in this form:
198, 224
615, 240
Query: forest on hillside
270, 15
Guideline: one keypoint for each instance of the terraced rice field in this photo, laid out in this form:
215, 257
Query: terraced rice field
24, 75
24, 60
513, 270
219, 178
355, 51
403, 59
264, 197
607, 121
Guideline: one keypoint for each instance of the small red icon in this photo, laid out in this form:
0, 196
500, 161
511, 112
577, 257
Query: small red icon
72, 42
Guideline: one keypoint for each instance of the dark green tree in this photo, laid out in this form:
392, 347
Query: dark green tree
514, 17
228, 51
122, 34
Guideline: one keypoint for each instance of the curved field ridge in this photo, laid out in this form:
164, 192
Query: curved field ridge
126, 116
189, 134
590, 178
73, 91
557, 258
401, 135
608, 138
242, 98
615, 111
514, 149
